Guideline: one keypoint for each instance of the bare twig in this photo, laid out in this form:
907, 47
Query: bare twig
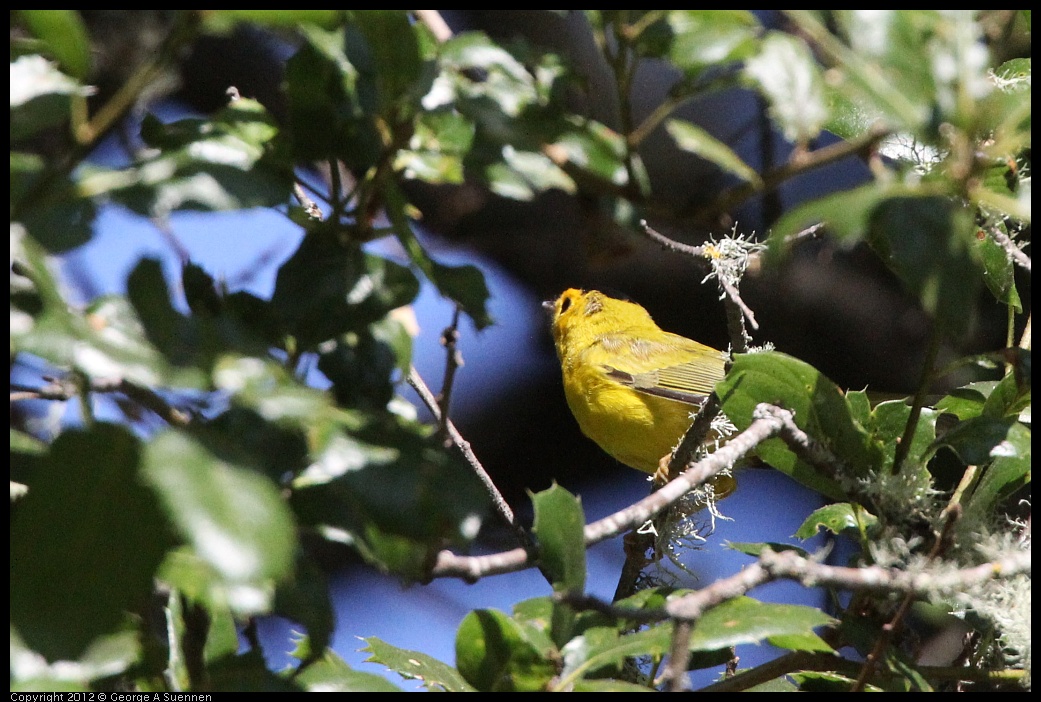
449, 565
501, 506
805, 161
789, 565
62, 390
433, 21
675, 673
453, 360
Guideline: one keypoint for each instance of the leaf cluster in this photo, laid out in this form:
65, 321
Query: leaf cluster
204, 472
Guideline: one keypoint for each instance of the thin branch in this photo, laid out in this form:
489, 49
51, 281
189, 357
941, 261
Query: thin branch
63, 390
449, 565
928, 368
675, 673
806, 161
433, 21
731, 297
501, 506
453, 360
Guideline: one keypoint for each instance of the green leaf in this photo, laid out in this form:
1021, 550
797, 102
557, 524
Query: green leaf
744, 620
86, 513
979, 440
234, 518
609, 686
756, 548
361, 365
231, 162
54, 212
435, 153
599, 153
819, 407
967, 402
929, 243
887, 424
836, 518
65, 36
559, 524
845, 213
305, 598
602, 651
1011, 395
559, 528
1001, 448
246, 673
413, 665
1005, 475
330, 673
787, 73
696, 140
498, 654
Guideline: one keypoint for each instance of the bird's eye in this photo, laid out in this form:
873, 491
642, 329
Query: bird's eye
565, 304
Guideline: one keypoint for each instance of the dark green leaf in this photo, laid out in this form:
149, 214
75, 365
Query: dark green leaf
498, 654
413, 665
85, 542
55, 213
388, 50
1003, 477
929, 243
305, 599
979, 440
327, 288
246, 673
435, 496
321, 87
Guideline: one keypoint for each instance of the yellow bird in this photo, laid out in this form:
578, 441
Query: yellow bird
633, 387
